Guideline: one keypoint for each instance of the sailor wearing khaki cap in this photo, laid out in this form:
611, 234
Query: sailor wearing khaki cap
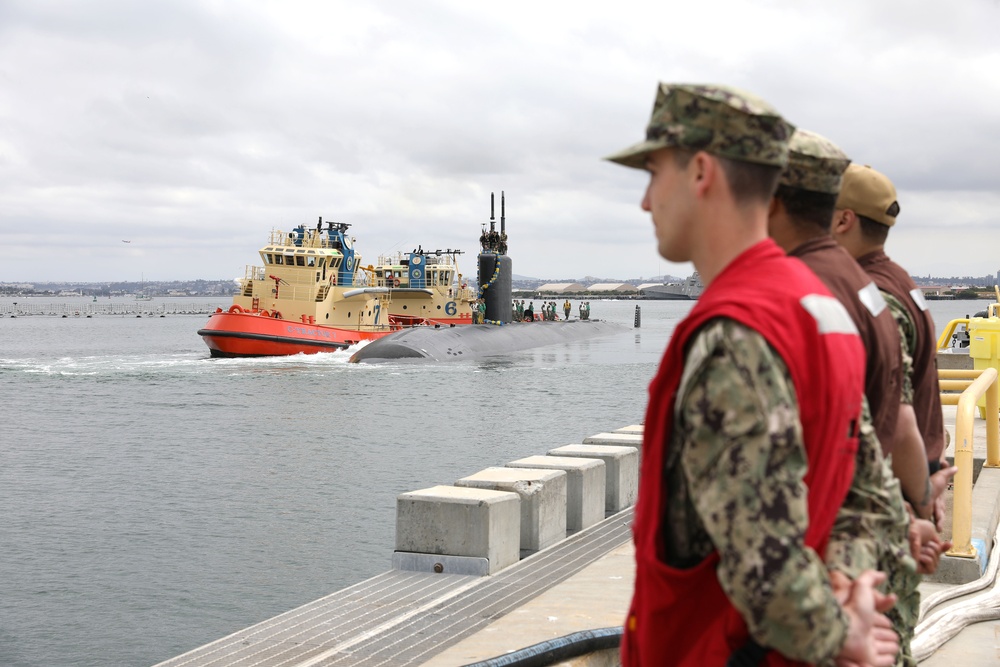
866, 210
745, 463
869, 194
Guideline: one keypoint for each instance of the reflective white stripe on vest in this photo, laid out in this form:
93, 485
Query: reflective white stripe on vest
872, 298
830, 314
917, 295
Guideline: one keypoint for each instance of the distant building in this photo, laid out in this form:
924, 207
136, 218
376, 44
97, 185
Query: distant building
560, 288
620, 288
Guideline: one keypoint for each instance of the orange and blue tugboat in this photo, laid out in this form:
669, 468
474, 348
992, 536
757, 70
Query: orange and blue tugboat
312, 295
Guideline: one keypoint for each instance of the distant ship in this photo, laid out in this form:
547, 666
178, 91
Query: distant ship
689, 290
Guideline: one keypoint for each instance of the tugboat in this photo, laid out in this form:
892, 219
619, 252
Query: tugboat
310, 296
426, 287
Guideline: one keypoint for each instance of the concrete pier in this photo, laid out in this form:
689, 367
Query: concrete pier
581, 583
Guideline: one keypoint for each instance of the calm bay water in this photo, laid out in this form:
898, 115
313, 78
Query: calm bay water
155, 499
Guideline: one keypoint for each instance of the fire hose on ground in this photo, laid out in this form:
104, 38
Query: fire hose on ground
935, 629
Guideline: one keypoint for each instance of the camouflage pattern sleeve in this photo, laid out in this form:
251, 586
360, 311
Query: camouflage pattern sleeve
853, 546
873, 514
871, 532
744, 461
907, 341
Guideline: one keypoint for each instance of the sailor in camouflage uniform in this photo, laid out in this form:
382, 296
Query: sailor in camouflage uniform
747, 455
873, 528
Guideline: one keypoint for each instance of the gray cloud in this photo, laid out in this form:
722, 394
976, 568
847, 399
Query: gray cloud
193, 128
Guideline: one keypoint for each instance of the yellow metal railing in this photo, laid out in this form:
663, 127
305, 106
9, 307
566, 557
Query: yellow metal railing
973, 384
992, 311
943, 342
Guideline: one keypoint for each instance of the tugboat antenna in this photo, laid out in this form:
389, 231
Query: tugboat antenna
503, 218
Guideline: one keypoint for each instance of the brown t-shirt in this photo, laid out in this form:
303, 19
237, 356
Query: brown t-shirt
854, 288
892, 278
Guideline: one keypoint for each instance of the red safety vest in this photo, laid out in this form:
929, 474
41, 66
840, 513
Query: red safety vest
682, 617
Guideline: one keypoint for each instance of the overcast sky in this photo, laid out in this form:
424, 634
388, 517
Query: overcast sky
193, 128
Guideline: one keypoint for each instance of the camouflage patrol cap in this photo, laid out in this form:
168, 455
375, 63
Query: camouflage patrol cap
814, 163
869, 193
721, 120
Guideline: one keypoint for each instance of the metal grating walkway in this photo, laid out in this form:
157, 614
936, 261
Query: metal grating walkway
404, 618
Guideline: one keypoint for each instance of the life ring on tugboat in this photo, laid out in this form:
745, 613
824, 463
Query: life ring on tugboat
264, 313
395, 282
234, 309
333, 279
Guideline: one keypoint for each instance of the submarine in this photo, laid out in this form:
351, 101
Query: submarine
475, 341
497, 334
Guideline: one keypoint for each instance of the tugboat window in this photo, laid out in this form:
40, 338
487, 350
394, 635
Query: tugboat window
277, 259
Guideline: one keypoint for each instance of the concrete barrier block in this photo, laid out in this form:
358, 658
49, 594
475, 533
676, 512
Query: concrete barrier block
633, 429
543, 501
615, 439
473, 522
621, 467
585, 483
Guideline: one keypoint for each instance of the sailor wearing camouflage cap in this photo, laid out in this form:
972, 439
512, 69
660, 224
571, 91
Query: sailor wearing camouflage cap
800, 221
814, 163
722, 128
807, 190
721, 120
727, 534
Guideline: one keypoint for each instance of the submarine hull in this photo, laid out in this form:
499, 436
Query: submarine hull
478, 340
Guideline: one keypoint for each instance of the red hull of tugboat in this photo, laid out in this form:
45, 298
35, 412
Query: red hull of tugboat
251, 334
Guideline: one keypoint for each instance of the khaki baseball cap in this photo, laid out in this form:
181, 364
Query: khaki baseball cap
814, 163
869, 193
721, 120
